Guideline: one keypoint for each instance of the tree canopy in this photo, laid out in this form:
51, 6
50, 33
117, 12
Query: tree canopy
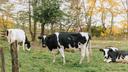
47, 11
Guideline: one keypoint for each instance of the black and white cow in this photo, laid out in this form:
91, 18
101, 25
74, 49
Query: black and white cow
19, 36
112, 54
62, 40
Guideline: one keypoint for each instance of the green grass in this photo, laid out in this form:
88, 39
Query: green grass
40, 60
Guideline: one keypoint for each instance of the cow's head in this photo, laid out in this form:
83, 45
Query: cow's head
43, 40
110, 53
28, 45
105, 52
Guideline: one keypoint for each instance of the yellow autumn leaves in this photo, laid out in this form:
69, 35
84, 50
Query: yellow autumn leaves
5, 23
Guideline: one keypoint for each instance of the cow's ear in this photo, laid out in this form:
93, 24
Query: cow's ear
101, 50
39, 37
110, 50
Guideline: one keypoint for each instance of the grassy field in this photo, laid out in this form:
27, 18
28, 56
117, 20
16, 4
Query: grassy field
40, 60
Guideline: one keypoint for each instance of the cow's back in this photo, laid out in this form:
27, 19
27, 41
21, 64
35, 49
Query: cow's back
66, 39
16, 34
72, 39
20, 35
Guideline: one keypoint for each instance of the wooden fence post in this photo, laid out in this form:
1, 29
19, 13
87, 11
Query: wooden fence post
14, 55
2, 60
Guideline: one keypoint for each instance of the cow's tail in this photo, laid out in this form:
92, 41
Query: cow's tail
7, 32
88, 40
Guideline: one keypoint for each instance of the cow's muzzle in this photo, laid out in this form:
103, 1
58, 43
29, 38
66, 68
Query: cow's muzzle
44, 45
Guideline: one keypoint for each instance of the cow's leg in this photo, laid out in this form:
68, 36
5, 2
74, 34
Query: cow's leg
105, 59
23, 43
17, 47
10, 42
9, 46
82, 52
54, 56
108, 60
62, 54
90, 49
87, 54
54, 53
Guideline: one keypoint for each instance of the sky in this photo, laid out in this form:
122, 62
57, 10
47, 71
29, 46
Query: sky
20, 5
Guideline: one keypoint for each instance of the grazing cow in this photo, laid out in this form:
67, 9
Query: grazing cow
62, 40
112, 54
19, 36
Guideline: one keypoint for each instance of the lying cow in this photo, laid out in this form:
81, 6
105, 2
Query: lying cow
112, 54
19, 36
62, 40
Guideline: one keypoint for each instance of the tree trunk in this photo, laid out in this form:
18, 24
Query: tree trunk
14, 56
30, 24
23, 26
89, 18
2, 60
17, 21
34, 31
111, 32
69, 27
89, 25
52, 30
42, 29
127, 14
103, 22
3, 22
60, 28
33, 35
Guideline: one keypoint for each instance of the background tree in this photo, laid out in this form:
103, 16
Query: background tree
6, 20
75, 13
125, 21
32, 27
113, 9
102, 10
47, 12
21, 19
67, 15
89, 12
3, 1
